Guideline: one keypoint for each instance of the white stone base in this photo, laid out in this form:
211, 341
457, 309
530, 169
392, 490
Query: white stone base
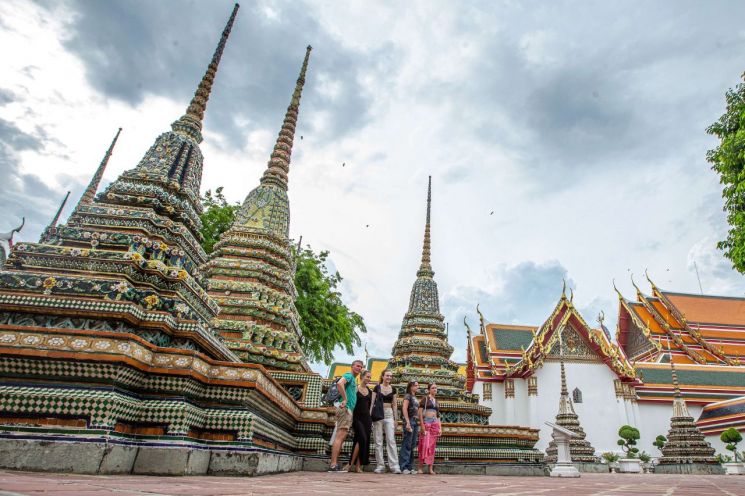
734, 468
629, 466
564, 470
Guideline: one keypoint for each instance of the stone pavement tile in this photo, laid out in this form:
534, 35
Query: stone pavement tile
317, 483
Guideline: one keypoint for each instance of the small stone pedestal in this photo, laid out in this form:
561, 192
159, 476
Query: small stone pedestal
734, 468
630, 466
564, 466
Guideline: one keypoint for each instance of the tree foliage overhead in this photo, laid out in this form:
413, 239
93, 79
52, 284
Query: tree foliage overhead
217, 217
325, 321
728, 160
732, 437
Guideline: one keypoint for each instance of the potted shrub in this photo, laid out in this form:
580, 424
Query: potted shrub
659, 442
645, 458
731, 437
630, 464
612, 460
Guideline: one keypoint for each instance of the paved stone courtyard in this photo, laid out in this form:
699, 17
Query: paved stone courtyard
312, 483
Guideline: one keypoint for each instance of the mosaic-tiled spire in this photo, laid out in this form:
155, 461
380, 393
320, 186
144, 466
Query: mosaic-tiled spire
279, 163
52, 227
422, 351
267, 207
169, 176
191, 121
134, 249
686, 443
425, 269
90, 191
566, 407
251, 270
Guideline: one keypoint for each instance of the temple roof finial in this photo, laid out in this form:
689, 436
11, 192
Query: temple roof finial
425, 269
90, 191
279, 163
191, 121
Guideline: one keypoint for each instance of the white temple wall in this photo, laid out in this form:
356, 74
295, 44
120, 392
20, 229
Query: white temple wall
599, 413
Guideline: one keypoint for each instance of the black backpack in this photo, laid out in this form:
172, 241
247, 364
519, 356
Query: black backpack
333, 394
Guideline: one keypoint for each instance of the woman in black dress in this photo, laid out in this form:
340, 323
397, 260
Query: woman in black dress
362, 424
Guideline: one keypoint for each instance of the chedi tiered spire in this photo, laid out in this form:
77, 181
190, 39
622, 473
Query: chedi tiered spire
422, 352
191, 121
169, 176
686, 445
130, 256
90, 192
580, 448
251, 269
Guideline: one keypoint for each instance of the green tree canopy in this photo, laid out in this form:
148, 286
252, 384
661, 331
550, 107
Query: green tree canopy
325, 321
728, 160
217, 217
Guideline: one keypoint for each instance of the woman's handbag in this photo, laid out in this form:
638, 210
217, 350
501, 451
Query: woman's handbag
377, 412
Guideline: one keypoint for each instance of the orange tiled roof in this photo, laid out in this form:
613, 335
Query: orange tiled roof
710, 309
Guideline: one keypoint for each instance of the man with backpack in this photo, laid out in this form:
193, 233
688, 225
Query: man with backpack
347, 387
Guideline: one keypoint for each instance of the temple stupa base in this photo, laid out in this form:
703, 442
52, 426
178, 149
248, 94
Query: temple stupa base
689, 468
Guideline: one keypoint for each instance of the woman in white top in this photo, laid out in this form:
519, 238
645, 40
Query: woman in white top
387, 425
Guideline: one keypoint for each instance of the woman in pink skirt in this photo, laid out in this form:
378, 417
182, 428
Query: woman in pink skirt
429, 413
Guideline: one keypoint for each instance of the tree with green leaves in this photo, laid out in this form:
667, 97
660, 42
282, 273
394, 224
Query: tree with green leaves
217, 217
659, 442
728, 160
731, 436
629, 436
325, 321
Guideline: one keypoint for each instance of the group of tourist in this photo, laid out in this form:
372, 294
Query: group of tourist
376, 412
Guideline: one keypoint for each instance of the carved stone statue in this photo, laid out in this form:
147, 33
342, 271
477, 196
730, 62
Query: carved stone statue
7, 239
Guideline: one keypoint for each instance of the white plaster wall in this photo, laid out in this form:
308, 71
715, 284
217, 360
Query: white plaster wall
600, 413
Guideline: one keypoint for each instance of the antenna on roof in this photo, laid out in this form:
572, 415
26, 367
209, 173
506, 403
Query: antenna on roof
699, 278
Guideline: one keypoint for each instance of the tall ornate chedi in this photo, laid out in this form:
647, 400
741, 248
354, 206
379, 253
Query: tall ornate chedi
422, 354
687, 451
108, 363
251, 268
580, 448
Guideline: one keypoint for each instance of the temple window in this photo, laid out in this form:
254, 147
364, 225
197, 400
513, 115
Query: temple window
487, 390
577, 395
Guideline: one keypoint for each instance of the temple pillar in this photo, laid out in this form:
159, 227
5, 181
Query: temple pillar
533, 402
509, 401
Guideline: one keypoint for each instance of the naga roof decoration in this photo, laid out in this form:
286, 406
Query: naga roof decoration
251, 269
129, 258
702, 329
518, 351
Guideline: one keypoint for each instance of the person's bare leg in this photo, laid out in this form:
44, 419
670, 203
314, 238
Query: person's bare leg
354, 458
432, 469
341, 435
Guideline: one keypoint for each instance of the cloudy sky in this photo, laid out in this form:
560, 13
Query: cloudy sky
564, 139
